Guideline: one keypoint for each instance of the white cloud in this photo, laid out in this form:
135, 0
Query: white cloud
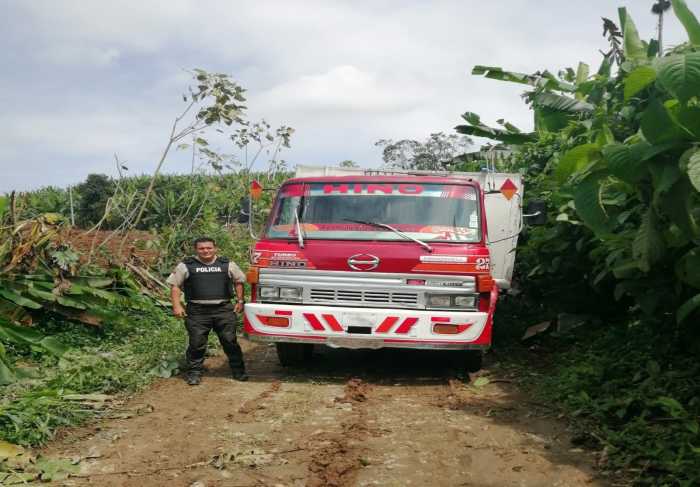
82, 80
68, 54
342, 89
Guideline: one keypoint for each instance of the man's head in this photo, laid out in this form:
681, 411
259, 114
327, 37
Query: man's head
205, 248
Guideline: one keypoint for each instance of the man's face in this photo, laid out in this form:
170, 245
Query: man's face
205, 251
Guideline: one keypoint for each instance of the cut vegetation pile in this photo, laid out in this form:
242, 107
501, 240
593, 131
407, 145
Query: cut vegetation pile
72, 327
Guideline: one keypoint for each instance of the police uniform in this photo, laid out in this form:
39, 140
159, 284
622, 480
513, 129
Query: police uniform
208, 291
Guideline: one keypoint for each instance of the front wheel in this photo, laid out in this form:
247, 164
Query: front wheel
291, 354
473, 360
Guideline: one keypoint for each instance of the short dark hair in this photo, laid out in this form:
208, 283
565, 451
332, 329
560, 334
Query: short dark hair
202, 240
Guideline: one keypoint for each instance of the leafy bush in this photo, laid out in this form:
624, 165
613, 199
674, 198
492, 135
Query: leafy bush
122, 356
636, 399
616, 157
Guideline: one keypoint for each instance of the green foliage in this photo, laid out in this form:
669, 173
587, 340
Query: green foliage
589, 205
122, 356
634, 396
44, 200
509, 134
688, 19
633, 48
625, 165
576, 159
638, 79
679, 75
51, 287
693, 169
621, 180
94, 194
41, 275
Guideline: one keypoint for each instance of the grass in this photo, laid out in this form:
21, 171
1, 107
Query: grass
631, 389
120, 357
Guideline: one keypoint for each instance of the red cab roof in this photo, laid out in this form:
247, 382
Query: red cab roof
404, 178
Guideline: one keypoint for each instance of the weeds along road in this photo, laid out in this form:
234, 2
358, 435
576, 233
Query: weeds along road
386, 417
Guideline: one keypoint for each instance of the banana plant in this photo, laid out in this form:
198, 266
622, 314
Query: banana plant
629, 158
41, 273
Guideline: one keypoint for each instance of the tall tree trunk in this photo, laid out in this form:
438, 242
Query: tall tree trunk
661, 32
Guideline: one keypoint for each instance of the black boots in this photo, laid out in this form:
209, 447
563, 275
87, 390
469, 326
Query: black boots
193, 378
239, 376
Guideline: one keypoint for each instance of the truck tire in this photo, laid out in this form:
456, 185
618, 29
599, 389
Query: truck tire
473, 360
291, 354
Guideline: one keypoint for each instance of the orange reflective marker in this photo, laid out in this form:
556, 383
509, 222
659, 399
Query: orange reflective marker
508, 189
256, 190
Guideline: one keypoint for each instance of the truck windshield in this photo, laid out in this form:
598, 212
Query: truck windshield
336, 211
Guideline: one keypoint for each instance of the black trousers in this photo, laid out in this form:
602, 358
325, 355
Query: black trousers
201, 319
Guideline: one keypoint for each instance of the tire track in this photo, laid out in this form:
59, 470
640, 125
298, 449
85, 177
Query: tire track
257, 403
337, 457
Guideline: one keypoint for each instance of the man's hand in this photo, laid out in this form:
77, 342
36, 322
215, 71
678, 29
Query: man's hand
238, 307
179, 311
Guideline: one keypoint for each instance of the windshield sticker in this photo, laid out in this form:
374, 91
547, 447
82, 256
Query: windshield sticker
361, 188
291, 190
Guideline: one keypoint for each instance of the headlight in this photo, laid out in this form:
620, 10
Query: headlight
438, 301
267, 292
451, 301
290, 293
464, 301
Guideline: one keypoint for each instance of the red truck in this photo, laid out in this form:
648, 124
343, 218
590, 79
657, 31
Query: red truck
365, 259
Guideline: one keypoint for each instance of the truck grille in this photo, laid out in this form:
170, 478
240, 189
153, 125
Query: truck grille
342, 296
364, 289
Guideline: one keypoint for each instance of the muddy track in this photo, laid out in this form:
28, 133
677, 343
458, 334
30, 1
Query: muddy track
350, 418
337, 456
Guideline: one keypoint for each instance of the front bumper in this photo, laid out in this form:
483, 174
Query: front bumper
346, 327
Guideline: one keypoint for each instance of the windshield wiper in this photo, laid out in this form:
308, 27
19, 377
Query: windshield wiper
300, 237
395, 230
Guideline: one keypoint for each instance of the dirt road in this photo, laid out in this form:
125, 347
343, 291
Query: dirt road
388, 418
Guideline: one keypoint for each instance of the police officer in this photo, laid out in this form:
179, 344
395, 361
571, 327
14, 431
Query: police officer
208, 282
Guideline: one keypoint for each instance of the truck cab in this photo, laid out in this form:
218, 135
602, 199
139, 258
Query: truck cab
366, 260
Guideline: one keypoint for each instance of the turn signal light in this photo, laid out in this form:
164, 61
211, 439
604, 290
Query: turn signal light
485, 283
253, 275
445, 329
281, 321
450, 329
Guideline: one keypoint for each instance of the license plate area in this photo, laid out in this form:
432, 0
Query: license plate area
358, 320
359, 330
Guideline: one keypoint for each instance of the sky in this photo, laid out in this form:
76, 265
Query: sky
83, 81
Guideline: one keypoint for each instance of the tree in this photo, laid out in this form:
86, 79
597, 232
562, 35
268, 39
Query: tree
659, 7
94, 194
348, 163
434, 154
216, 100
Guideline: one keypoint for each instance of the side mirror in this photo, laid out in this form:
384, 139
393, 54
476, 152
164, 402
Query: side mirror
535, 212
243, 214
